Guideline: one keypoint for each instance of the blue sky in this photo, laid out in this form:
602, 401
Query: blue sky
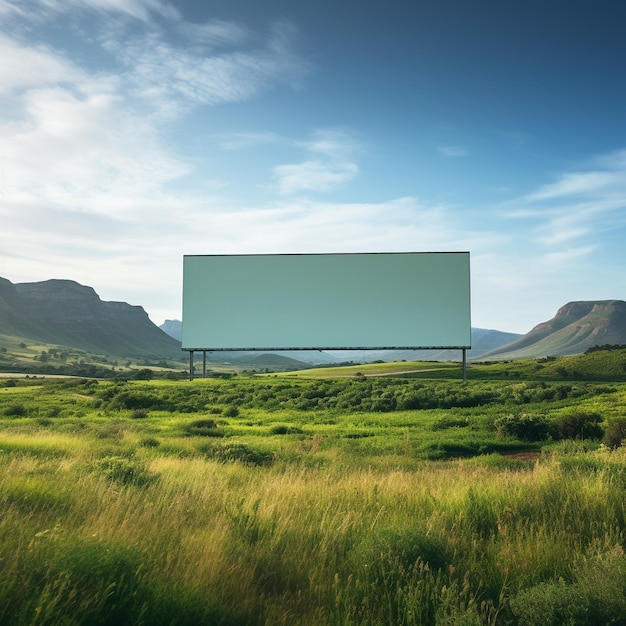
133, 132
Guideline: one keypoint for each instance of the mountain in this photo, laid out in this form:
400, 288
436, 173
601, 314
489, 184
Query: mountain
63, 312
576, 327
173, 328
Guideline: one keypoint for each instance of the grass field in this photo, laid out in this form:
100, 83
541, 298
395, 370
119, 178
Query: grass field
316, 501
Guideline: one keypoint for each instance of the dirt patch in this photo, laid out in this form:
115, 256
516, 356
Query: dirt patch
527, 455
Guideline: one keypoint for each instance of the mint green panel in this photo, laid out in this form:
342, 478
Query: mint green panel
324, 301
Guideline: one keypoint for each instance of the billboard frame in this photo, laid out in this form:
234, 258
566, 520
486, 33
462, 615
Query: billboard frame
210, 349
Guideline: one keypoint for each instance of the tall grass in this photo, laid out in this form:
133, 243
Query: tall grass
98, 527
204, 542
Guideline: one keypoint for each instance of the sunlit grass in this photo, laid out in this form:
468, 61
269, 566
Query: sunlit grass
375, 369
317, 517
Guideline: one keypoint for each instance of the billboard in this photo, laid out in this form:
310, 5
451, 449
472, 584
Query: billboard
326, 301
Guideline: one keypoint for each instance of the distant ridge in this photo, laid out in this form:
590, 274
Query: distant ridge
174, 328
576, 327
63, 312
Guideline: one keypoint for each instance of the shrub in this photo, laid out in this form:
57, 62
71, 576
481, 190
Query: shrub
231, 411
134, 400
284, 429
526, 427
139, 414
615, 432
578, 425
123, 471
203, 428
150, 442
143, 374
15, 410
450, 422
238, 452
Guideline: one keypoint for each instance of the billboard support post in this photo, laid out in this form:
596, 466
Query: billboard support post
191, 365
464, 365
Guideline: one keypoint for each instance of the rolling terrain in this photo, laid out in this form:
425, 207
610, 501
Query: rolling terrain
65, 313
575, 328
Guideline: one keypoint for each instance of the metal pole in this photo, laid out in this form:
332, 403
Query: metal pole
464, 364
204, 364
190, 365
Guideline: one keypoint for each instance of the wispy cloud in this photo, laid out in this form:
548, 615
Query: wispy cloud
85, 137
138, 9
85, 166
32, 66
332, 164
577, 184
313, 176
242, 141
577, 205
453, 152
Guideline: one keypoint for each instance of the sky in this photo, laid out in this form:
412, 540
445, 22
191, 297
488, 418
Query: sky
134, 132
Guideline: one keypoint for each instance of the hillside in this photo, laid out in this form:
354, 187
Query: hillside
575, 328
65, 313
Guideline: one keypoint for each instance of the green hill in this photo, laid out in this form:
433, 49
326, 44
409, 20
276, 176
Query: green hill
65, 313
576, 327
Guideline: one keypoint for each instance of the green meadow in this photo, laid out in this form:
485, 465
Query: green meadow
339, 499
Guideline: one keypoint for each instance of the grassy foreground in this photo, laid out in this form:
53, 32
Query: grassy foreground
316, 502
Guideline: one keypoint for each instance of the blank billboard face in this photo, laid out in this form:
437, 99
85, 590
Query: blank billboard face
326, 301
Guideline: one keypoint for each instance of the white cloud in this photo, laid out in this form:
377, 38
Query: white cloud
32, 66
138, 9
563, 258
453, 152
92, 140
170, 78
313, 176
242, 141
331, 165
577, 205
334, 144
215, 32
83, 151
578, 183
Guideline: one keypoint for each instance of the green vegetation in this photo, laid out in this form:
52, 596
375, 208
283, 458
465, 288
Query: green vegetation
320, 501
26, 356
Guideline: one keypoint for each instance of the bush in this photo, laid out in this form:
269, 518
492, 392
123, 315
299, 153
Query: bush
231, 411
143, 374
450, 422
203, 428
525, 427
15, 410
134, 400
150, 442
615, 432
578, 425
123, 471
284, 429
238, 452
